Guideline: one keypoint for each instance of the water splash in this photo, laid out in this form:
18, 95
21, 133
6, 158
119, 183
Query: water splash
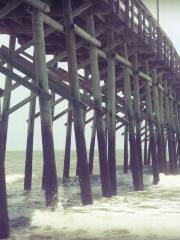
11, 178
143, 215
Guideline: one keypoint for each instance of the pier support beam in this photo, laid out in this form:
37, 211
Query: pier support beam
7, 97
173, 128
152, 137
146, 145
4, 220
92, 146
83, 170
67, 154
111, 79
162, 121
177, 131
172, 168
126, 153
29, 146
104, 170
50, 182
158, 123
134, 161
137, 113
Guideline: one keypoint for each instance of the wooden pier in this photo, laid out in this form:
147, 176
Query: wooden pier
131, 81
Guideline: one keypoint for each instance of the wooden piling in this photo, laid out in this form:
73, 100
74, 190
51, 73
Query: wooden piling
84, 177
162, 121
29, 143
7, 96
158, 123
149, 155
176, 107
92, 146
172, 169
137, 113
93, 57
111, 114
126, 154
29, 146
67, 154
173, 127
4, 219
146, 145
135, 166
51, 189
152, 138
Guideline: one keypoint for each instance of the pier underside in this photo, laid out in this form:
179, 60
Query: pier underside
129, 79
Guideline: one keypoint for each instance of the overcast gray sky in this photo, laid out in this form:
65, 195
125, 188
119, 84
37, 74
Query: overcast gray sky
169, 20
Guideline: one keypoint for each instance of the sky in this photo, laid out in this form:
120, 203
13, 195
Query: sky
17, 133
169, 18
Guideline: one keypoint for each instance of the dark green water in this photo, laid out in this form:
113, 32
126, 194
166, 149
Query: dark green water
151, 214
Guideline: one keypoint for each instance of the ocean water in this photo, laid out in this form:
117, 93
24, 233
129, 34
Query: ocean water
148, 215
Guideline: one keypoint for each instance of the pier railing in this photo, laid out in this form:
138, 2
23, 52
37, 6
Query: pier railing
139, 19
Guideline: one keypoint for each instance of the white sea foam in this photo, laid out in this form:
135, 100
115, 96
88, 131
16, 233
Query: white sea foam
148, 215
171, 181
11, 178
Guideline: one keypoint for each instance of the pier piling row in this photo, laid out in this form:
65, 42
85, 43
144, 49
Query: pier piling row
131, 80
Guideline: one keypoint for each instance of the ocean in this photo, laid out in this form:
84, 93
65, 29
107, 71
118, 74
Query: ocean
153, 214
